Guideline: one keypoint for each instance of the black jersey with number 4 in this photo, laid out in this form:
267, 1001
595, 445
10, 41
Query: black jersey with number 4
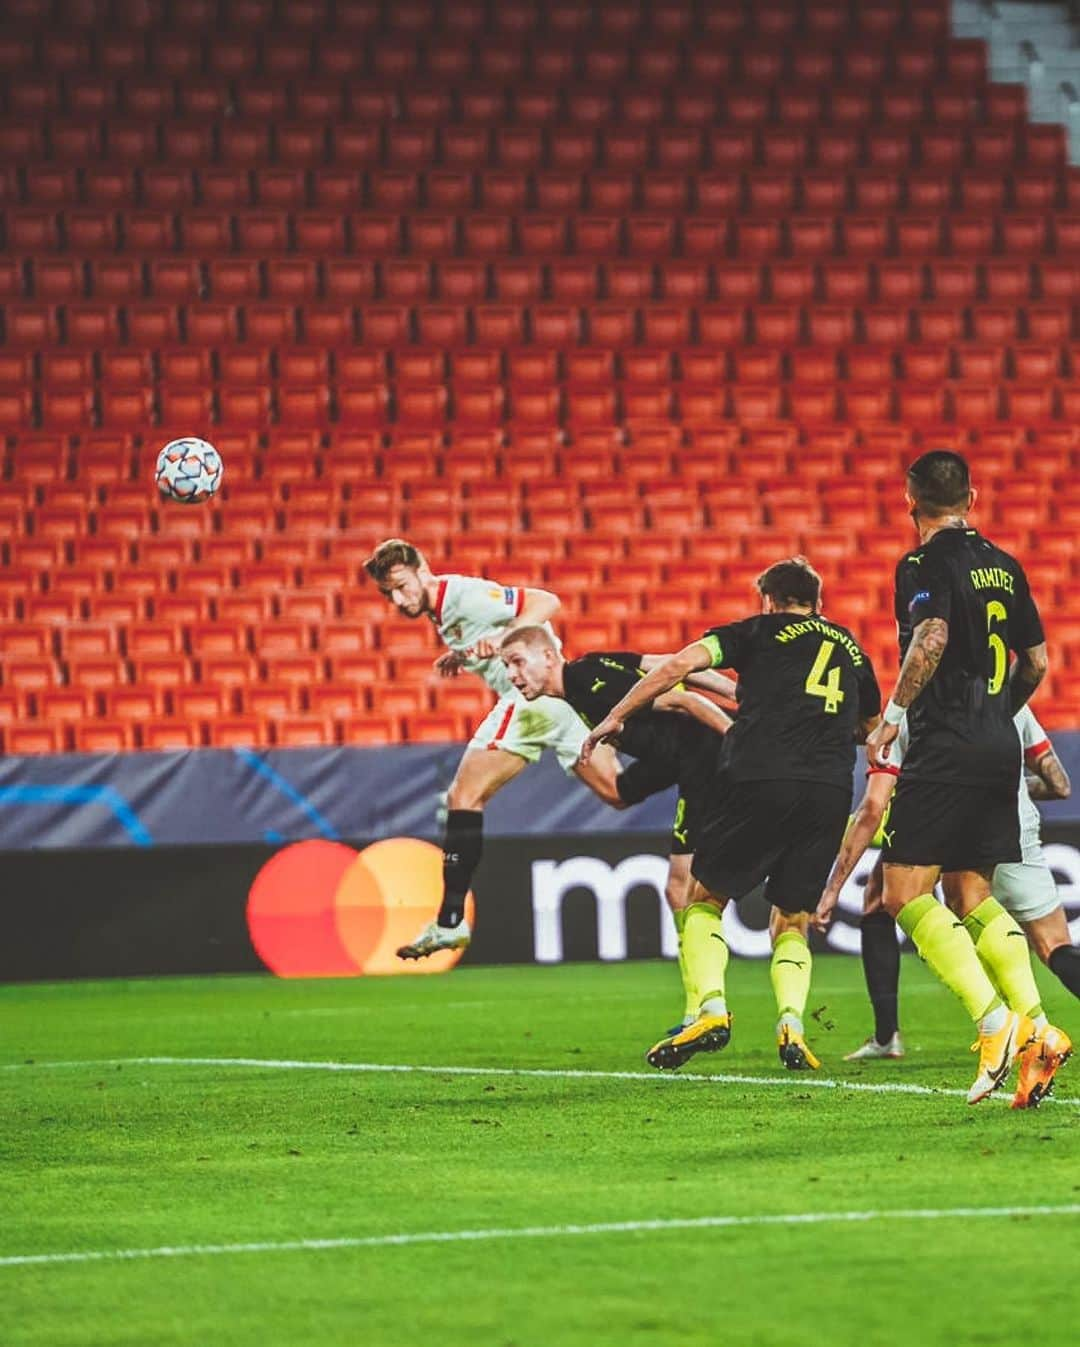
961, 724
805, 684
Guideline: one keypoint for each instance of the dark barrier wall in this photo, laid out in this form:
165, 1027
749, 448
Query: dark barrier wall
241, 796
127, 911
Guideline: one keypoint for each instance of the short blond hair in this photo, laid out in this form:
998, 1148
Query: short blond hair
535, 637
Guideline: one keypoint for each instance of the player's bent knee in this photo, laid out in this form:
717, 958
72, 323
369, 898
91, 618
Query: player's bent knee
675, 895
781, 921
705, 900
464, 795
894, 904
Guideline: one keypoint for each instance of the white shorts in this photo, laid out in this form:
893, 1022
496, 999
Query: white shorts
1025, 890
527, 728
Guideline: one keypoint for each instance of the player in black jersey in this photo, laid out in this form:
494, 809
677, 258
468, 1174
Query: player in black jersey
675, 742
961, 605
807, 691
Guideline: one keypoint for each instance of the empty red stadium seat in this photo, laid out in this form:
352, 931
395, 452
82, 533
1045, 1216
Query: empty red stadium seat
435, 257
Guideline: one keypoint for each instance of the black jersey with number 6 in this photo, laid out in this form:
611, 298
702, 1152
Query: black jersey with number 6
805, 684
961, 724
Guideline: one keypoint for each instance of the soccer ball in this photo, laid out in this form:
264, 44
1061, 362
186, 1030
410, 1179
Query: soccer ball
188, 470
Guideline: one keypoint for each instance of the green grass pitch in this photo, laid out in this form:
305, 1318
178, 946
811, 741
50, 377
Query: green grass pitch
114, 1155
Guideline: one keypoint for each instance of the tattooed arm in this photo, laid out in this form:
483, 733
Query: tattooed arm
864, 824
1048, 779
923, 656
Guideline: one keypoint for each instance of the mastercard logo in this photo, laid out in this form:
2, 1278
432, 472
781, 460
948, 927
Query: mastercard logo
323, 909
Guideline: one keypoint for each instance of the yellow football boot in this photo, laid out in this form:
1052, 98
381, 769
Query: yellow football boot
708, 1033
794, 1053
997, 1052
1040, 1062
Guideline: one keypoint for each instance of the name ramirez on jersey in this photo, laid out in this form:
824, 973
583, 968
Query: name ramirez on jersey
961, 724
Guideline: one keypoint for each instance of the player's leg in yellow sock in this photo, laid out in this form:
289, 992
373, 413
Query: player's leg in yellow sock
946, 946
1003, 952
789, 973
790, 977
693, 1000
706, 954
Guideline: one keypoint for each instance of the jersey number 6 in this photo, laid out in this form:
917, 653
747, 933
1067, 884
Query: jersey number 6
995, 612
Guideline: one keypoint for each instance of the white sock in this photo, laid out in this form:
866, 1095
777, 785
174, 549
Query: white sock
791, 1022
715, 1005
994, 1022
1040, 1022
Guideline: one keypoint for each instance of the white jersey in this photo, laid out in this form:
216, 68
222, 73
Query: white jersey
469, 609
1034, 742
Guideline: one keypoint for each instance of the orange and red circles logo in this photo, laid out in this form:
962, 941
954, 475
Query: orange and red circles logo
322, 909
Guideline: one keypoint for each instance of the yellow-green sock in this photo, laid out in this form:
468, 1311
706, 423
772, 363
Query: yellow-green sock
1003, 951
790, 975
706, 954
693, 1000
944, 944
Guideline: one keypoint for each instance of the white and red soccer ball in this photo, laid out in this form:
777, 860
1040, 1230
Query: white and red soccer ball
188, 470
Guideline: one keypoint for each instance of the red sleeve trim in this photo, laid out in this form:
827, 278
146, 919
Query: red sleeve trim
1035, 752
520, 602
440, 598
887, 770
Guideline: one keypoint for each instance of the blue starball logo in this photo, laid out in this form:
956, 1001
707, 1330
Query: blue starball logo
511, 595
921, 597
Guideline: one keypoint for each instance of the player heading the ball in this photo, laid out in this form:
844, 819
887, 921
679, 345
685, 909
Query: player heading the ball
472, 616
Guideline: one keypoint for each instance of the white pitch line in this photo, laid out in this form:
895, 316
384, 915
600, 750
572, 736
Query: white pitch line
542, 1073
530, 1232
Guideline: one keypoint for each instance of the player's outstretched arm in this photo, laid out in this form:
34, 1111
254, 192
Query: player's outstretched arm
1028, 671
706, 679
861, 830
538, 606
694, 704
923, 656
1047, 778
675, 669
711, 681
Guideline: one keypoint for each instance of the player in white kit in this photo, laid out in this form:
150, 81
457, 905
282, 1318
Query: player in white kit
1025, 889
472, 615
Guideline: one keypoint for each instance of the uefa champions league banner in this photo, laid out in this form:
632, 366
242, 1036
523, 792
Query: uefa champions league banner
319, 863
218, 796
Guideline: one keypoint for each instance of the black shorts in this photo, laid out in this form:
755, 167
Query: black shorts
954, 826
685, 826
699, 781
784, 832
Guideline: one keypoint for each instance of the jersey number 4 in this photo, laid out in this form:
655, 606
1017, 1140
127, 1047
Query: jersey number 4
828, 688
